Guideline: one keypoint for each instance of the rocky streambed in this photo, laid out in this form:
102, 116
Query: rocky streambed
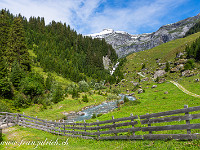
103, 108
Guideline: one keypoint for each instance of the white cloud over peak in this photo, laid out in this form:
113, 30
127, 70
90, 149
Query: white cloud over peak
90, 16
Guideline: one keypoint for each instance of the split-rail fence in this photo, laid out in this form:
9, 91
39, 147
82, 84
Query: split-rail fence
143, 127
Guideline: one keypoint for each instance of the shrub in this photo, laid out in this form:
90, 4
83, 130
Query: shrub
83, 86
21, 100
84, 98
116, 91
98, 115
75, 94
143, 66
57, 93
125, 99
157, 79
4, 107
135, 88
189, 64
5, 88
112, 97
49, 81
94, 116
167, 68
32, 85
71, 88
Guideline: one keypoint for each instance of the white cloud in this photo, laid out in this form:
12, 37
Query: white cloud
138, 14
84, 17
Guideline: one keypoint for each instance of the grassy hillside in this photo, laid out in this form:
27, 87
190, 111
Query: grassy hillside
151, 101
164, 53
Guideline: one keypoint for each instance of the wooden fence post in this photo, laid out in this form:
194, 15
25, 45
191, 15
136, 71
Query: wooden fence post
64, 126
35, 121
84, 127
59, 126
98, 135
17, 119
46, 126
7, 119
50, 126
187, 121
114, 125
132, 125
150, 132
54, 127
73, 128
0, 134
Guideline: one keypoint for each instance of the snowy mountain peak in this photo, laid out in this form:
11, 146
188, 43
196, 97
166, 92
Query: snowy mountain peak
125, 43
102, 33
106, 32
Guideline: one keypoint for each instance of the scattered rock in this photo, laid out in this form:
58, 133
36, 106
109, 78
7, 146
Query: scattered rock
166, 92
145, 79
65, 113
180, 61
72, 112
162, 67
196, 80
158, 60
80, 113
175, 69
121, 102
159, 73
187, 73
162, 80
160, 64
154, 86
134, 83
140, 91
131, 94
179, 55
181, 66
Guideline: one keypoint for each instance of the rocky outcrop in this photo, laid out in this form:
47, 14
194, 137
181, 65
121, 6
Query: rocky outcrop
159, 73
125, 43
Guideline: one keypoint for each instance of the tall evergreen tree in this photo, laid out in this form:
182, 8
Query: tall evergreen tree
16, 47
4, 30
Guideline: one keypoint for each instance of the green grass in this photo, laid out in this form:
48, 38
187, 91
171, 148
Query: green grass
190, 84
165, 52
21, 134
152, 101
55, 111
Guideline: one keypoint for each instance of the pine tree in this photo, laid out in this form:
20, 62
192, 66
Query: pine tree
17, 49
4, 29
16, 74
5, 86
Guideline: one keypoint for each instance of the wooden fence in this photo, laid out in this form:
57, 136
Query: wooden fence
132, 127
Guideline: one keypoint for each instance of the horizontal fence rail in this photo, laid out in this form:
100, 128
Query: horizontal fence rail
132, 127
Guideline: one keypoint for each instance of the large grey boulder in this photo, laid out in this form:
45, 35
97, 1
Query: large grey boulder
140, 91
159, 73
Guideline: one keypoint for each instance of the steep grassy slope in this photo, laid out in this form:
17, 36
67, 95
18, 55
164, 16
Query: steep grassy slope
165, 53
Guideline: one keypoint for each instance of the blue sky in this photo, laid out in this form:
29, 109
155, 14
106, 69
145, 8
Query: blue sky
91, 16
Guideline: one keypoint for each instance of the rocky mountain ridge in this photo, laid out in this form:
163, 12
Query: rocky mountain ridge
125, 43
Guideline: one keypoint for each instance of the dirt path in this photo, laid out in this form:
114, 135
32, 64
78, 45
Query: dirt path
184, 90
